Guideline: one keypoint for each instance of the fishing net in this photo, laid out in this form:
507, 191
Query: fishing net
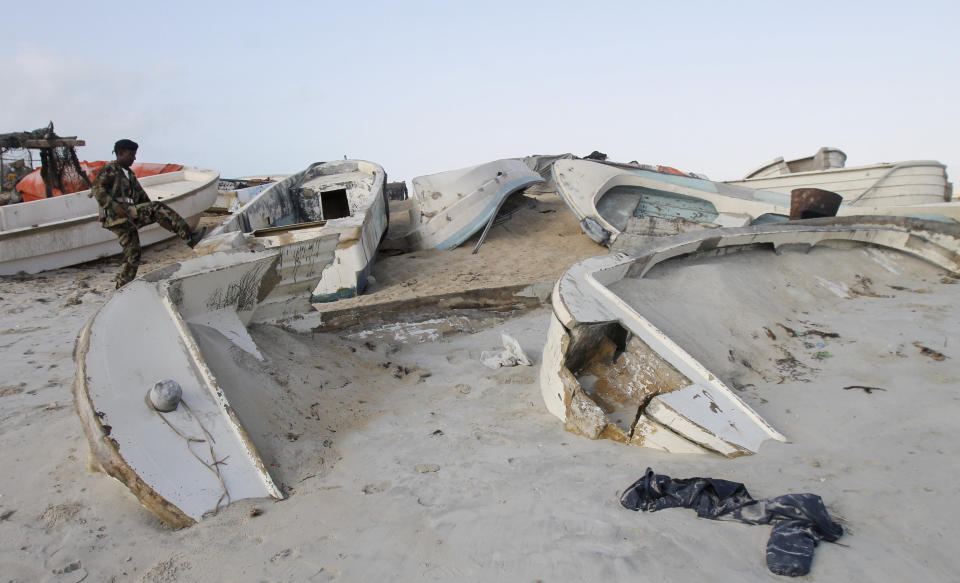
60, 167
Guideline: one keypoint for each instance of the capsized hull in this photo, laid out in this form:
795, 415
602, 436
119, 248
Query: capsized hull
65, 230
452, 206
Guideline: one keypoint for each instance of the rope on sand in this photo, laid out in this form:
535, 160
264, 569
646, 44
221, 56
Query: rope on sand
214, 466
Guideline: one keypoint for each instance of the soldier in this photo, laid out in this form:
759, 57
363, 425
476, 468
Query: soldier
125, 207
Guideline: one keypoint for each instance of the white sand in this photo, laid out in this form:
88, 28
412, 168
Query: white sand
443, 469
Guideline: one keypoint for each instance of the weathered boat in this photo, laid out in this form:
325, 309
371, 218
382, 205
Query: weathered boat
609, 372
233, 193
309, 238
449, 207
326, 222
897, 183
188, 462
612, 200
65, 230
825, 159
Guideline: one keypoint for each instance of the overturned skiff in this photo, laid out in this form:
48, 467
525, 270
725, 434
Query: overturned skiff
451, 206
326, 221
609, 372
65, 230
611, 201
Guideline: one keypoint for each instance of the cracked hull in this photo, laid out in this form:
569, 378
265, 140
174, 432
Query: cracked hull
609, 373
622, 208
326, 222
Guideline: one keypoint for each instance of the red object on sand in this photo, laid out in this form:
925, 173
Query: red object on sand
33, 188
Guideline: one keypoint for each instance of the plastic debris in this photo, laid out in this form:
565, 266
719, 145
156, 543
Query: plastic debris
511, 355
800, 521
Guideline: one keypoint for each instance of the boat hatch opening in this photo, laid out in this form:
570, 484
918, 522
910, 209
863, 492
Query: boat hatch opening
334, 204
620, 203
287, 228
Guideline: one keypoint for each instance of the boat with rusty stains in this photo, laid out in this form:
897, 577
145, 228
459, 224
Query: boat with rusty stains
612, 201
886, 183
619, 363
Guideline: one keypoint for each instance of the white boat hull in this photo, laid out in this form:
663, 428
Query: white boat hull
145, 334
902, 183
611, 201
666, 399
452, 206
65, 230
326, 222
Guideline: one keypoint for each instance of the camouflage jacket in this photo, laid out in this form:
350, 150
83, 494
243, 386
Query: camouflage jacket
113, 189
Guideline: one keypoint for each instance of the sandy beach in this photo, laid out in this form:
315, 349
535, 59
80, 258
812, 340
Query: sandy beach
402, 456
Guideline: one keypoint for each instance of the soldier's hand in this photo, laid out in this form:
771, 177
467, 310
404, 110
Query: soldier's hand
132, 212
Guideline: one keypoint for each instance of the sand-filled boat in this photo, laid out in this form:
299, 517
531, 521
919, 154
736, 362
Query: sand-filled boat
189, 462
326, 222
450, 207
886, 183
65, 230
609, 371
611, 201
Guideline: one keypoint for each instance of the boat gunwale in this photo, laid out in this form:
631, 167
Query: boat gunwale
376, 173
878, 166
88, 218
593, 276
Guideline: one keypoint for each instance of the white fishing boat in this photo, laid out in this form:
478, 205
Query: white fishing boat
611, 201
65, 230
610, 371
896, 183
326, 222
450, 207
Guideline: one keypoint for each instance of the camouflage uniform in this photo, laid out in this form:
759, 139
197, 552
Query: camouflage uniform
113, 189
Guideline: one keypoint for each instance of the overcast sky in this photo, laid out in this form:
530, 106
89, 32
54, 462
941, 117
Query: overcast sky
421, 87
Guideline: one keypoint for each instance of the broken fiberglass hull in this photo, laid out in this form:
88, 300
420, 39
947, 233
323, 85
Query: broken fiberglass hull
612, 201
608, 372
146, 333
326, 221
452, 206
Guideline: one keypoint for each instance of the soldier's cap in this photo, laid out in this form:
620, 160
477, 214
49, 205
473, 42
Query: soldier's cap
125, 144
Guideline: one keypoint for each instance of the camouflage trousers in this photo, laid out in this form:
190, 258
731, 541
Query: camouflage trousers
147, 214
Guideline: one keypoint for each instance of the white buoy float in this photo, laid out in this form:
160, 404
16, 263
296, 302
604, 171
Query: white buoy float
165, 395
